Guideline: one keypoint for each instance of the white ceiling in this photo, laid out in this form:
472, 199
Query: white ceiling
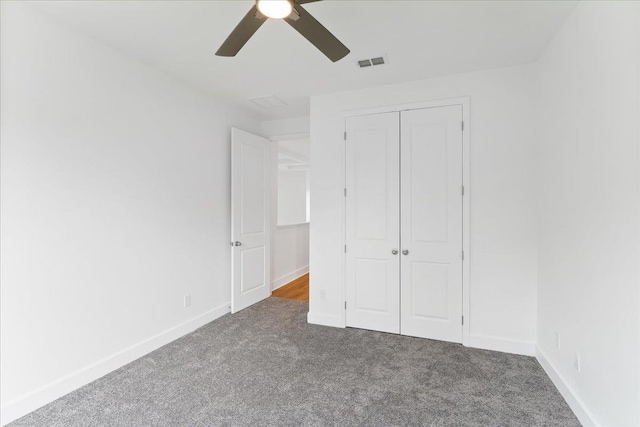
422, 39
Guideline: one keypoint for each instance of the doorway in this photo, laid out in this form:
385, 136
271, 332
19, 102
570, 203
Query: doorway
270, 203
290, 168
250, 220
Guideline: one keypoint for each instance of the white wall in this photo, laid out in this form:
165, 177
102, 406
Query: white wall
289, 244
115, 205
292, 197
290, 247
290, 253
503, 225
588, 214
285, 127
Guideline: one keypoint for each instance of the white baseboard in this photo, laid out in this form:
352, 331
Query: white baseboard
524, 348
325, 320
35, 399
579, 408
289, 277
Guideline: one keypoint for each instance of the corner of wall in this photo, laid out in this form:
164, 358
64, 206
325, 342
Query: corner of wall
574, 401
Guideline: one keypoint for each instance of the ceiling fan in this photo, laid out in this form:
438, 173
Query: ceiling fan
293, 13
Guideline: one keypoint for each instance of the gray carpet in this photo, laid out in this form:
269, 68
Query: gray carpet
265, 366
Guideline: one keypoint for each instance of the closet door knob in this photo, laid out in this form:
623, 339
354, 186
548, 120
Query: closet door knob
405, 252
394, 251
237, 244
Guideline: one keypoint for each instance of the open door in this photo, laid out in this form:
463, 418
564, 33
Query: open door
250, 224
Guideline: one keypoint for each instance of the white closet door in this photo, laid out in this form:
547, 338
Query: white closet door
431, 224
372, 222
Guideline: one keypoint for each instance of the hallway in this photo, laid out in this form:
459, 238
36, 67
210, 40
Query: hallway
297, 289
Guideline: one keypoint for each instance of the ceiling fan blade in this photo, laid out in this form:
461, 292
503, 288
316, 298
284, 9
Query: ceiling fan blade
305, 1
242, 33
317, 34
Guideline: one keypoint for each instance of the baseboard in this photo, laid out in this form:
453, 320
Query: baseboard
35, 399
325, 320
524, 348
579, 408
289, 277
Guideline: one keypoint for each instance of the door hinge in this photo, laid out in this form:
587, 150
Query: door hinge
345, 305
463, 255
462, 125
345, 135
345, 249
463, 190
463, 320
345, 192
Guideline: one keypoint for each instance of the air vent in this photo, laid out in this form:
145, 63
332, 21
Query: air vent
379, 60
270, 101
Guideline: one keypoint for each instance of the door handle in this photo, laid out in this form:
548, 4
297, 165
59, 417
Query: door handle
405, 252
237, 243
394, 251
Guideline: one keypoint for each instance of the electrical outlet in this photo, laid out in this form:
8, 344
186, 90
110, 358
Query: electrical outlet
323, 294
187, 300
576, 361
558, 340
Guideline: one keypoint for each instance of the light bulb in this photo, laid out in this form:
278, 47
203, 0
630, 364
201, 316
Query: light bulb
276, 9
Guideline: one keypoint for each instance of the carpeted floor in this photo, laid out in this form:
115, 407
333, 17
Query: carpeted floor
265, 366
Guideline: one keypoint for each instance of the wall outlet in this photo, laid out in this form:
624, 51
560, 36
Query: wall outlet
187, 300
576, 361
558, 340
323, 294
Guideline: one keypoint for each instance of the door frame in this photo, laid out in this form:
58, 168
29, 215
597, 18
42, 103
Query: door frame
466, 200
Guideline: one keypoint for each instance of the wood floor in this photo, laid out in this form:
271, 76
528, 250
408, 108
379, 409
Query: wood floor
297, 289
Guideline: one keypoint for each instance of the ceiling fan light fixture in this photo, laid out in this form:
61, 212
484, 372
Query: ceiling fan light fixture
291, 12
276, 9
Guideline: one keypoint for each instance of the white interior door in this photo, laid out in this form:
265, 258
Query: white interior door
372, 222
431, 224
250, 226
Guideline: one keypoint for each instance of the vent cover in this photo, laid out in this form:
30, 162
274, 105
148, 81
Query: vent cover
379, 60
270, 101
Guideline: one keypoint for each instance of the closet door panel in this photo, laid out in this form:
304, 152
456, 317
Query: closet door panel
431, 223
372, 222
